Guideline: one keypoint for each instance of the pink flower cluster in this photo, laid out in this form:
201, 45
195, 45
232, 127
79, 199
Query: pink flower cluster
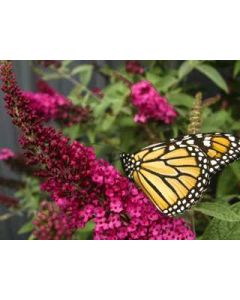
50, 223
98, 92
97, 191
50, 105
150, 104
83, 187
134, 67
127, 214
6, 153
46, 104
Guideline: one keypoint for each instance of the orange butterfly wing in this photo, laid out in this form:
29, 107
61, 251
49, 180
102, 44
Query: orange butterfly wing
173, 177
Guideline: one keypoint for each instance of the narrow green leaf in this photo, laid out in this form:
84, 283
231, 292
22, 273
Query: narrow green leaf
236, 69
52, 76
187, 67
84, 72
212, 74
66, 63
218, 210
27, 227
181, 99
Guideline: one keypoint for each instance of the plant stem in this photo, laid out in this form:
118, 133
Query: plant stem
74, 81
150, 133
210, 101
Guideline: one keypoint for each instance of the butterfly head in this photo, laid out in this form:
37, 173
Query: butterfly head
128, 163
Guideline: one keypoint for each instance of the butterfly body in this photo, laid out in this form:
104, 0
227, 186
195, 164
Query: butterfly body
174, 175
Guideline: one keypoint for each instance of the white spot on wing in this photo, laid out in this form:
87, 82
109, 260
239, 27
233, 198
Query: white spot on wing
206, 143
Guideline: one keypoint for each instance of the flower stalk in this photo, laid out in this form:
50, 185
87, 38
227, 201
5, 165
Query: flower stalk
195, 115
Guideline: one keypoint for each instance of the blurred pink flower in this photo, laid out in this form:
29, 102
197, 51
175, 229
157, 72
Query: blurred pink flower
45, 105
150, 104
49, 223
6, 153
134, 67
48, 63
98, 92
51, 105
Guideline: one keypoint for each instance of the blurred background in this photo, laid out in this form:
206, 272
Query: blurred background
179, 81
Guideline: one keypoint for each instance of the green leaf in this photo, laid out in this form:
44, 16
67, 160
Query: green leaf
236, 69
30, 194
218, 121
113, 102
236, 169
75, 94
85, 233
84, 72
27, 227
118, 104
102, 107
187, 67
153, 78
181, 99
228, 180
118, 89
212, 74
218, 210
91, 134
106, 70
73, 131
107, 122
52, 76
66, 63
223, 230
166, 82
235, 125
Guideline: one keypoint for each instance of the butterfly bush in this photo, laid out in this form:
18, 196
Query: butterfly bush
6, 153
50, 63
150, 104
50, 223
134, 67
83, 187
51, 105
98, 92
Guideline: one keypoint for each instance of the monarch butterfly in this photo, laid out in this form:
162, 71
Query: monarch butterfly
174, 175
